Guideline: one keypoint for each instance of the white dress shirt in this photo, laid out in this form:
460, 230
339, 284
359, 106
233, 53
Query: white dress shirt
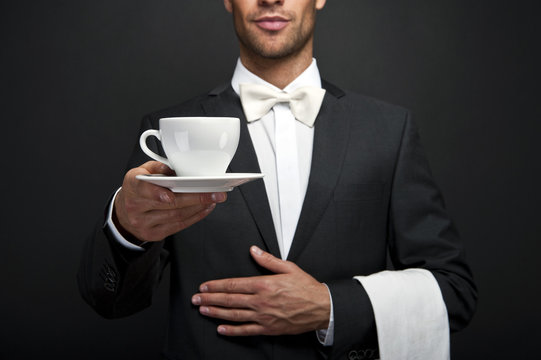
262, 135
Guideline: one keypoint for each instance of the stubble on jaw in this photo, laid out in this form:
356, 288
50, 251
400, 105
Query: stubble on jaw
274, 46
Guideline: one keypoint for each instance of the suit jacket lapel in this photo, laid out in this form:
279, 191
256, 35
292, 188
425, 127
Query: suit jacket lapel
224, 101
330, 143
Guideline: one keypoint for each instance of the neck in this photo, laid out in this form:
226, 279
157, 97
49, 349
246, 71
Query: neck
279, 72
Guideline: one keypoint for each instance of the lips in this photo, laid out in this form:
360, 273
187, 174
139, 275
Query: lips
272, 23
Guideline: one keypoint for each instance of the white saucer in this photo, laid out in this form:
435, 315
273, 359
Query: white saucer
200, 184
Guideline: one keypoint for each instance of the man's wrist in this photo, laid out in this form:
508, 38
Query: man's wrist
326, 336
120, 234
125, 234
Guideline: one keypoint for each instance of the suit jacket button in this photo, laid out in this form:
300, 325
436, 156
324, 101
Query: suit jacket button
362, 354
110, 277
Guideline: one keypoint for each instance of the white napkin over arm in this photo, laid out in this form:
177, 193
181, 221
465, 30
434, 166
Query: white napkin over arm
410, 314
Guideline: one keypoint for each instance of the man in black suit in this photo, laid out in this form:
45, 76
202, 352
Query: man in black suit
253, 278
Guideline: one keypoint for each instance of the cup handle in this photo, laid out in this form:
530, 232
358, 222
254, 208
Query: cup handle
146, 150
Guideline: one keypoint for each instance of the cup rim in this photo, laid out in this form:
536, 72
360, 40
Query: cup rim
199, 118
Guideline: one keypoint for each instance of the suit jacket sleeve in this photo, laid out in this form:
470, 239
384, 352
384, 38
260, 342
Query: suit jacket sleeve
112, 279
420, 235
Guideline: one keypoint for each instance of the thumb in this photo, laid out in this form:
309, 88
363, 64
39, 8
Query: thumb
270, 262
156, 167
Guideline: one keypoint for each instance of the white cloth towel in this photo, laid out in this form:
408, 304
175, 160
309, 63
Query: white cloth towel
411, 317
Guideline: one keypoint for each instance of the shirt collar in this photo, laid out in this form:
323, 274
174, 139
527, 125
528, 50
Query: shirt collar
309, 77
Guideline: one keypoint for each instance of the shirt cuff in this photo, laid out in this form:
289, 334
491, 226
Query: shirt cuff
326, 336
410, 314
114, 231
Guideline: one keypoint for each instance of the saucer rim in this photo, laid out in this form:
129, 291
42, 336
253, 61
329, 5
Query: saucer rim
226, 176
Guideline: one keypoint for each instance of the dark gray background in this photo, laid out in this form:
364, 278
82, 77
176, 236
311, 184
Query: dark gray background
76, 77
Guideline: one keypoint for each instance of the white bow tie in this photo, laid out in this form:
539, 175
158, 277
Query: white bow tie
257, 100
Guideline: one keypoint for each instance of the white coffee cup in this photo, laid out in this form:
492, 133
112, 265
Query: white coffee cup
195, 146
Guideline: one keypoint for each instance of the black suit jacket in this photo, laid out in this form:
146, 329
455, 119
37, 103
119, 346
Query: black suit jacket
370, 198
